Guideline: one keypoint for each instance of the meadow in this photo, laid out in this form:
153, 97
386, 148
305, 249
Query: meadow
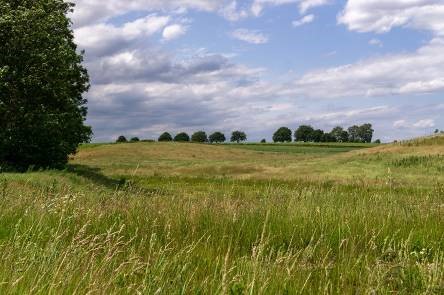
182, 218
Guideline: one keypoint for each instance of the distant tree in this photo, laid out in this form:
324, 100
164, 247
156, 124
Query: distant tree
217, 137
283, 134
42, 82
317, 135
182, 137
165, 137
365, 133
353, 134
304, 133
121, 139
328, 137
134, 139
378, 141
436, 131
238, 136
199, 136
339, 134
264, 141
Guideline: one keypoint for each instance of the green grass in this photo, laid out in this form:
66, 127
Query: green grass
303, 148
200, 219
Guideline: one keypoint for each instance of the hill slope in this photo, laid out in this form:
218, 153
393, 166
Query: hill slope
163, 218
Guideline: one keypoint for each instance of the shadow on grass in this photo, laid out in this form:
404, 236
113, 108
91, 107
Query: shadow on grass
95, 175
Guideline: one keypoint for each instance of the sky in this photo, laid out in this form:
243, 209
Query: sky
257, 65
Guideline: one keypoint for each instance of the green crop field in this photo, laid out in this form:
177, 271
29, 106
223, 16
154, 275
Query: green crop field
169, 218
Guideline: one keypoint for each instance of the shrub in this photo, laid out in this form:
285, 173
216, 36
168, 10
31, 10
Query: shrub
134, 139
199, 136
217, 137
182, 137
165, 137
264, 141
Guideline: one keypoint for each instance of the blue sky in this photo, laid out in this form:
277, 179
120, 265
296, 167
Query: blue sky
256, 65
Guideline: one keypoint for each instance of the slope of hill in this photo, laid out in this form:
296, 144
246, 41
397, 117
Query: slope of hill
165, 218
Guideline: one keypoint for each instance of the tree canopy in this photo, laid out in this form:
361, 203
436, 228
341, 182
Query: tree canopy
165, 137
283, 134
304, 133
121, 139
199, 136
42, 82
217, 137
182, 137
238, 136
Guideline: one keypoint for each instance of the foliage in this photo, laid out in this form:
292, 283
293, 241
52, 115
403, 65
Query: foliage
238, 136
200, 137
134, 139
165, 137
263, 140
121, 139
283, 134
42, 80
182, 137
363, 133
304, 133
339, 134
217, 137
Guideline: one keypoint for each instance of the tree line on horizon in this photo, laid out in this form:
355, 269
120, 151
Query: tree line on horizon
305, 133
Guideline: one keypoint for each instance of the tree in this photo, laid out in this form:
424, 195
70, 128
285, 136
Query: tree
182, 137
134, 139
165, 137
199, 136
339, 134
365, 133
217, 137
304, 133
317, 135
353, 134
121, 139
328, 137
238, 136
436, 131
378, 141
283, 134
263, 140
42, 82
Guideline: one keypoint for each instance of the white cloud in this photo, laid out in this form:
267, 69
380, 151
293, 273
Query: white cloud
173, 31
418, 72
375, 42
304, 5
250, 36
421, 124
383, 15
100, 38
304, 20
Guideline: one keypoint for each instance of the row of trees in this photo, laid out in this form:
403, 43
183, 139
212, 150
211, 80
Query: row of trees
199, 136
307, 133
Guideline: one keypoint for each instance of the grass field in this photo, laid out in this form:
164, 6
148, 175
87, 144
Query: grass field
166, 218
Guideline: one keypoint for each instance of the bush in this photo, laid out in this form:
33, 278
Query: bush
134, 139
165, 137
217, 137
121, 139
238, 136
283, 134
182, 137
264, 141
199, 136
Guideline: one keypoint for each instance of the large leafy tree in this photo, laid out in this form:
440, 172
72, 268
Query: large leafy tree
42, 82
283, 134
304, 133
217, 137
238, 136
182, 137
165, 137
199, 136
